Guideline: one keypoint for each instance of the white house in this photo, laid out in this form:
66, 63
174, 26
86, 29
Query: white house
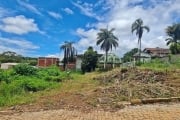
8, 65
145, 57
111, 59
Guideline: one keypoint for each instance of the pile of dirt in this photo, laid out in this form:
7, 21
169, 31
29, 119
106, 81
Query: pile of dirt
124, 84
140, 75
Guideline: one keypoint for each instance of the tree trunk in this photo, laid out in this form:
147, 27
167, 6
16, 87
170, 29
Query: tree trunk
139, 50
65, 60
105, 61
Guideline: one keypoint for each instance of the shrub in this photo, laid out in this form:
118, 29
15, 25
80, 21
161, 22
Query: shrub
50, 71
2, 75
25, 69
5, 75
36, 85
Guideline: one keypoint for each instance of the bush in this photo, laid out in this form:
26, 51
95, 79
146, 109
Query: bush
2, 75
50, 71
36, 85
5, 75
25, 69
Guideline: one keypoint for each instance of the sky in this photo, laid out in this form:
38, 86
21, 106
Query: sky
37, 28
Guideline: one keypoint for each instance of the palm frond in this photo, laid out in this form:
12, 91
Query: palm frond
146, 28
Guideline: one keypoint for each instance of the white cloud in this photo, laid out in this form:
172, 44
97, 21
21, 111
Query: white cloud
68, 11
121, 16
19, 25
87, 38
29, 7
17, 45
55, 15
5, 12
87, 9
56, 55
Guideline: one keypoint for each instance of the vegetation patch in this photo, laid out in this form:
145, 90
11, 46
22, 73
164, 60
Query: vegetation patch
24, 80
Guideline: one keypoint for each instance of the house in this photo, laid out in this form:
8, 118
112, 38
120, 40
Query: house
47, 61
157, 52
7, 65
149, 53
112, 59
145, 57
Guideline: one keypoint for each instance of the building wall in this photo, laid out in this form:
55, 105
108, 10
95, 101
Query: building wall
8, 65
78, 63
45, 62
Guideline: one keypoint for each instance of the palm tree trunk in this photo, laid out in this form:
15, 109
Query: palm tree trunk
139, 50
105, 60
64, 64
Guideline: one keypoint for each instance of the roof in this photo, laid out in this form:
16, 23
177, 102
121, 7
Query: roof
157, 50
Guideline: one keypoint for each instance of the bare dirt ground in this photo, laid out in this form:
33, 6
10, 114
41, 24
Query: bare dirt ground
145, 112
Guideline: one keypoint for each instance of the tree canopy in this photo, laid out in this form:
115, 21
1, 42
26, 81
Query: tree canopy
9, 56
173, 39
107, 40
89, 60
129, 55
138, 27
69, 53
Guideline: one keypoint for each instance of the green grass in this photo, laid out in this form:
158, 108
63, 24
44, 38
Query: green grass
160, 65
16, 87
19, 88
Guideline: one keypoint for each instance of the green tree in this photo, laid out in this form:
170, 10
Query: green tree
174, 37
10, 56
89, 60
174, 48
139, 28
129, 55
106, 40
69, 53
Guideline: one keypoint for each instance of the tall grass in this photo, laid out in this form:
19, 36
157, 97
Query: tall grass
158, 64
18, 85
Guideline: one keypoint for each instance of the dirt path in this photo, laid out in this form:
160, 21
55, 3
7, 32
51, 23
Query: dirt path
144, 112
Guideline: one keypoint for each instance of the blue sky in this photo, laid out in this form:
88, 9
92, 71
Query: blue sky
39, 27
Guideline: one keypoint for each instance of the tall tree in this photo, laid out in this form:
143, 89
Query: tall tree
139, 28
89, 60
106, 40
174, 37
69, 53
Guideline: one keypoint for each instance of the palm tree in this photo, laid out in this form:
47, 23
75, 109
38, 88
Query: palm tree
174, 35
139, 28
106, 40
69, 53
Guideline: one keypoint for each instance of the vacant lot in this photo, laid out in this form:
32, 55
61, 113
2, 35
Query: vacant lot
107, 90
